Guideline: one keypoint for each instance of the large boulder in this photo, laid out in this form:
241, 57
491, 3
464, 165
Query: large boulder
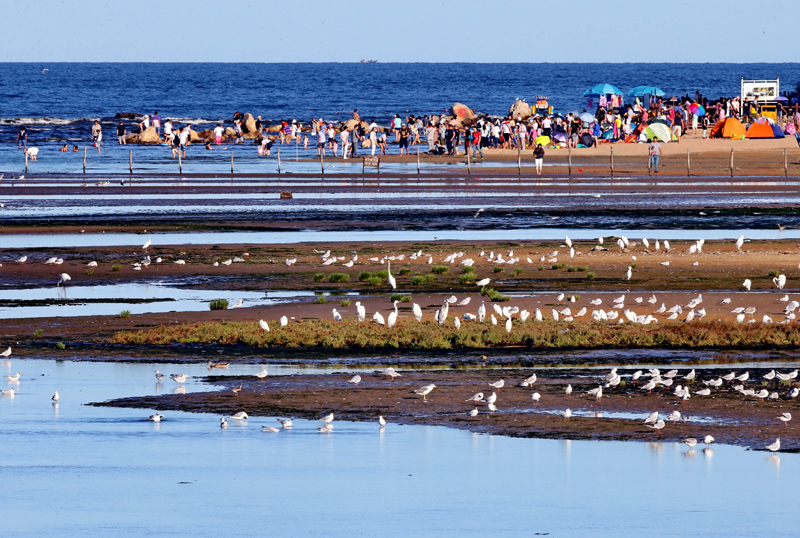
248, 123
230, 132
520, 108
127, 115
148, 136
194, 137
463, 113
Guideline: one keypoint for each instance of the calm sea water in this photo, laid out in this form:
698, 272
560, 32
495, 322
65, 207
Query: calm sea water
71, 469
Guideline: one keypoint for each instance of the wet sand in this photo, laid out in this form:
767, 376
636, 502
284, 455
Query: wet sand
719, 274
726, 415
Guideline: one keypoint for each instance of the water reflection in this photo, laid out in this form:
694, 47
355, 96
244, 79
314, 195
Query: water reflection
327, 481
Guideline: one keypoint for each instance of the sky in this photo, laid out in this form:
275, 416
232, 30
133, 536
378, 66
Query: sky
406, 31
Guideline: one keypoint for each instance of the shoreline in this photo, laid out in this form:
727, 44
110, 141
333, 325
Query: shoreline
730, 417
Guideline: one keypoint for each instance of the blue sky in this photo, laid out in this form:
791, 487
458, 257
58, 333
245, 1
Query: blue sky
406, 31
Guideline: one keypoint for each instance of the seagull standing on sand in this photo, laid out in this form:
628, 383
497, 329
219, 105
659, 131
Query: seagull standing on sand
355, 380
567, 414
786, 417
424, 391
658, 426
498, 384
476, 398
473, 413
774, 447
391, 373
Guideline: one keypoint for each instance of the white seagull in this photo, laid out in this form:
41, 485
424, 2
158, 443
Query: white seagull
424, 391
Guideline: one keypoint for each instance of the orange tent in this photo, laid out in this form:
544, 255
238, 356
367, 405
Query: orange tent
728, 128
760, 130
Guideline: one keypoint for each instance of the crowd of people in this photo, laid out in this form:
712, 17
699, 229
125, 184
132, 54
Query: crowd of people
445, 135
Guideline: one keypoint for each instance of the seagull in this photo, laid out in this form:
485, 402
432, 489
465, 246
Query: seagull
355, 380
536, 397
7, 392
381, 421
786, 417
22, 259
327, 419
13, 377
739, 243
223, 423
263, 373
491, 398
747, 284
180, 378
64, 279
285, 423
424, 391
658, 426
498, 384
6, 353
159, 376
156, 418
241, 415
690, 442
147, 244
483, 282
285, 321
391, 373
567, 413
568, 390
56, 397
270, 429
708, 440
473, 413
475, 398
263, 324
774, 447
674, 416
651, 418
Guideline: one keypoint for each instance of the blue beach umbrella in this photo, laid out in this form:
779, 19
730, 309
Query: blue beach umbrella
587, 117
639, 91
602, 89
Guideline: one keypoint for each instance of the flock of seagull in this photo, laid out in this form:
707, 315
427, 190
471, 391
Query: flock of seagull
654, 380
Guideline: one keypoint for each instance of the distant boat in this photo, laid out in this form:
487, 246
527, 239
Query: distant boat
363, 61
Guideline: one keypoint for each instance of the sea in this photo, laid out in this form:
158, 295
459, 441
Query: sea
59, 101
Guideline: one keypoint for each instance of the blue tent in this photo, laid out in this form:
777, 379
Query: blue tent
602, 89
639, 91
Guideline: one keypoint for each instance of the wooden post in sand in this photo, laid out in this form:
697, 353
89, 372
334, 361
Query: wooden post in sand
469, 164
612, 162
322, 162
569, 152
26, 161
785, 164
84, 159
231, 161
731, 162
130, 162
417, 161
519, 161
688, 164
180, 164
279, 160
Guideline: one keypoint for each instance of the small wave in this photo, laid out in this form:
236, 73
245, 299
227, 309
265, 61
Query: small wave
193, 121
42, 121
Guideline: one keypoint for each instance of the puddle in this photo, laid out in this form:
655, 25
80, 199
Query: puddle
138, 298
